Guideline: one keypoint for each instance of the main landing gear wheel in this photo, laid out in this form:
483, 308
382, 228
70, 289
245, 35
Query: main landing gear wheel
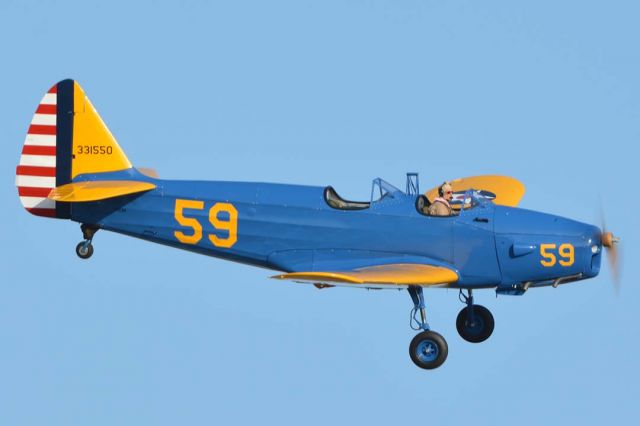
475, 327
84, 250
474, 323
428, 350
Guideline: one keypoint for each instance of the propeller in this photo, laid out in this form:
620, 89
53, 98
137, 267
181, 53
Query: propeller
614, 255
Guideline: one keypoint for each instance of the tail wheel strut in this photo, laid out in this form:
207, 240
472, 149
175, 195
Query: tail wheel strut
84, 249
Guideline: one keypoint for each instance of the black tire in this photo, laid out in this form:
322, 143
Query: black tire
82, 252
480, 329
428, 350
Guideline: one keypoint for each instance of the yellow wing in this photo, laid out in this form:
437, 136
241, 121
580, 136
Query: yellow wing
97, 190
508, 190
382, 276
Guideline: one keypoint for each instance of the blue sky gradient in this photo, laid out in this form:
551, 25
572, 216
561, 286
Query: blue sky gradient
320, 92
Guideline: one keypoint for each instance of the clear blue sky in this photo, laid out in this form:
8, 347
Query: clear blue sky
320, 92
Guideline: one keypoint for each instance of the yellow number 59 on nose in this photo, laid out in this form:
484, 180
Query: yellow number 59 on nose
566, 252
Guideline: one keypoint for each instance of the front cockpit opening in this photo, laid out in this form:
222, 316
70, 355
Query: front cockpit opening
459, 203
422, 204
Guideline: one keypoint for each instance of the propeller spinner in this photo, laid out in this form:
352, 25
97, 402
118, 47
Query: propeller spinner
611, 243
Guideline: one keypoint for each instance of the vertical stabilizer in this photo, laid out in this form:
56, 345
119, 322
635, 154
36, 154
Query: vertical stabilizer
66, 138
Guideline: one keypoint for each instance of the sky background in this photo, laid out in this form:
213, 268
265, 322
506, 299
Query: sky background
320, 92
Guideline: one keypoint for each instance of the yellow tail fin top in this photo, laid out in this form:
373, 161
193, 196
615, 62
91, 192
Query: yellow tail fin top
94, 148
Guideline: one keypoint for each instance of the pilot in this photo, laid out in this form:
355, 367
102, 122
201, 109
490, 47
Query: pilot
441, 206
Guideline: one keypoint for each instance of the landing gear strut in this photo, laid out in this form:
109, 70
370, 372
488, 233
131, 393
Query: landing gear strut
84, 249
475, 322
428, 349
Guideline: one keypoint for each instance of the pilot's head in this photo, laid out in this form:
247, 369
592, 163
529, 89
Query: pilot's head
446, 191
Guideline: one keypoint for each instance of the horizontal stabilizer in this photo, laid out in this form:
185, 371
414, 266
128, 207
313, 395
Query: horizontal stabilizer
391, 275
97, 190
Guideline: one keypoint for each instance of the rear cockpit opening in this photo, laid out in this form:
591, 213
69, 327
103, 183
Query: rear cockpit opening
335, 201
382, 194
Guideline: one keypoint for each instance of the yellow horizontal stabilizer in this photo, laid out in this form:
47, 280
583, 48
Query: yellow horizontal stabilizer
400, 274
97, 190
508, 191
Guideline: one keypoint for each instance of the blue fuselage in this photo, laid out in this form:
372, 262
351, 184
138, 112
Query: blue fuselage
292, 228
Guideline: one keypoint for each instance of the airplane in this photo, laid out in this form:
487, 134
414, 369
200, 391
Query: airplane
71, 167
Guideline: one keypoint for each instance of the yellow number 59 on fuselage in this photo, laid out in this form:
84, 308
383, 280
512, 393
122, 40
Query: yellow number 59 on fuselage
228, 225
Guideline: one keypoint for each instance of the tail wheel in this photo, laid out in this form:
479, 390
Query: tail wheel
83, 250
428, 350
476, 326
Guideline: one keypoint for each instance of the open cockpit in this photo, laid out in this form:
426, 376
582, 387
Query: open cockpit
337, 202
380, 190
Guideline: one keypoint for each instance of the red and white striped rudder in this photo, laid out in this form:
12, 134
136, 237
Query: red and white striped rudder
36, 172
45, 160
